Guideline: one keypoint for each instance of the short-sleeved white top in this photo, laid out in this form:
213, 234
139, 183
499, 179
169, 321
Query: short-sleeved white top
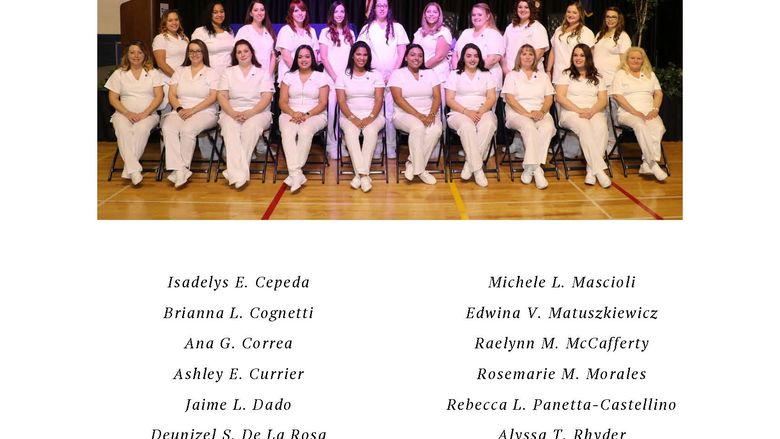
607, 53
563, 47
637, 91
244, 91
529, 93
337, 55
304, 96
383, 53
582, 93
263, 45
291, 40
360, 91
220, 47
418, 92
490, 42
516, 36
175, 48
471, 93
135, 94
429, 42
192, 90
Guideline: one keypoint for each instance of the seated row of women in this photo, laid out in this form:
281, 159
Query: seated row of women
244, 93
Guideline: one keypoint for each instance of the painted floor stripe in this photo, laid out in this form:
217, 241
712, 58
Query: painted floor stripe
638, 203
458, 201
274, 202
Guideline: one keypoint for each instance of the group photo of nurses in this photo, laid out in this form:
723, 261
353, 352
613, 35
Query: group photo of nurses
524, 84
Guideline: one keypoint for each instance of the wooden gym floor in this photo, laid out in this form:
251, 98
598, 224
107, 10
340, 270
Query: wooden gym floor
635, 197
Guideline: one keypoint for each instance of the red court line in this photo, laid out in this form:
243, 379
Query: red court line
638, 203
274, 202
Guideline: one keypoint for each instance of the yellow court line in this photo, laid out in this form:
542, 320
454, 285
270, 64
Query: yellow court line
458, 201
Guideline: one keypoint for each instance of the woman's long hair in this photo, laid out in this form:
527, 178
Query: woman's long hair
409, 49
518, 65
646, 69
619, 29
462, 62
314, 65
333, 26
425, 28
591, 73
124, 65
164, 25
575, 30
300, 4
209, 24
351, 63
390, 22
534, 12
266, 20
204, 50
234, 57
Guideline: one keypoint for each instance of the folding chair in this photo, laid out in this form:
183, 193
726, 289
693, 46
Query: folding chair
624, 134
451, 139
159, 162
561, 134
509, 157
263, 164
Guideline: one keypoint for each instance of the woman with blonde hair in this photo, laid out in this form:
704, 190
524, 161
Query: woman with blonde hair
638, 94
169, 47
135, 92
569, 34
486, 36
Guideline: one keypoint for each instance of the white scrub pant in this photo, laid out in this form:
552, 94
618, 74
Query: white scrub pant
389, 110
536, 136
422, 139
592, 134
361, 157
475, 138
648, 133
296, 151
131, 138
332, 103
240, 141
180, 137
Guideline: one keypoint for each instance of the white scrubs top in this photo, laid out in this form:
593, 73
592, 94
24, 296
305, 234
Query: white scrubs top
244, 92
563, 46
429, 43
637, 91
582, 93
360, 90
291, 40
607, 53
135, 94
418, 92
191, 91
220, 47
383, 53
490, 42
263, 45
471, 93
337, 55
304, 96
516, 36
175, 48
529, 93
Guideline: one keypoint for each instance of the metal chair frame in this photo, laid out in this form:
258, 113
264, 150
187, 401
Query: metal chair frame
626, 131
561, 134
509, 158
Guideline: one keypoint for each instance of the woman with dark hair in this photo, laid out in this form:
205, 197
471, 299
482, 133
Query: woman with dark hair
417, 97
435, 39
638, 93
486, 36
335, 43
260, 34
612, 42
303, 99
570, 33
245, 93
529, 95
135, 92
583, 96
293, 35
471, 94
217, 35
193, 96
387, 40
524, 29
360, 92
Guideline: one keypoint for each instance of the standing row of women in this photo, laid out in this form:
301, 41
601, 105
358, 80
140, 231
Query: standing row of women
380, 60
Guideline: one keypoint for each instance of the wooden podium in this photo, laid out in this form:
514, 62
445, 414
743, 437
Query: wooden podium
140, 19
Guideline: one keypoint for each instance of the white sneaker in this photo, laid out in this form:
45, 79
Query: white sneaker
465, 173
355, 183
240, 184
644, 169
427, 178
182, 178
298, 182
590, 179
289, 180
659, 173
172, 176
365, 183
136, 178
480, 179
409, 171
527, 176
461, 153
603, 179
541, 182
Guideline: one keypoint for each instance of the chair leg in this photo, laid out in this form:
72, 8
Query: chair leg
113, 165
